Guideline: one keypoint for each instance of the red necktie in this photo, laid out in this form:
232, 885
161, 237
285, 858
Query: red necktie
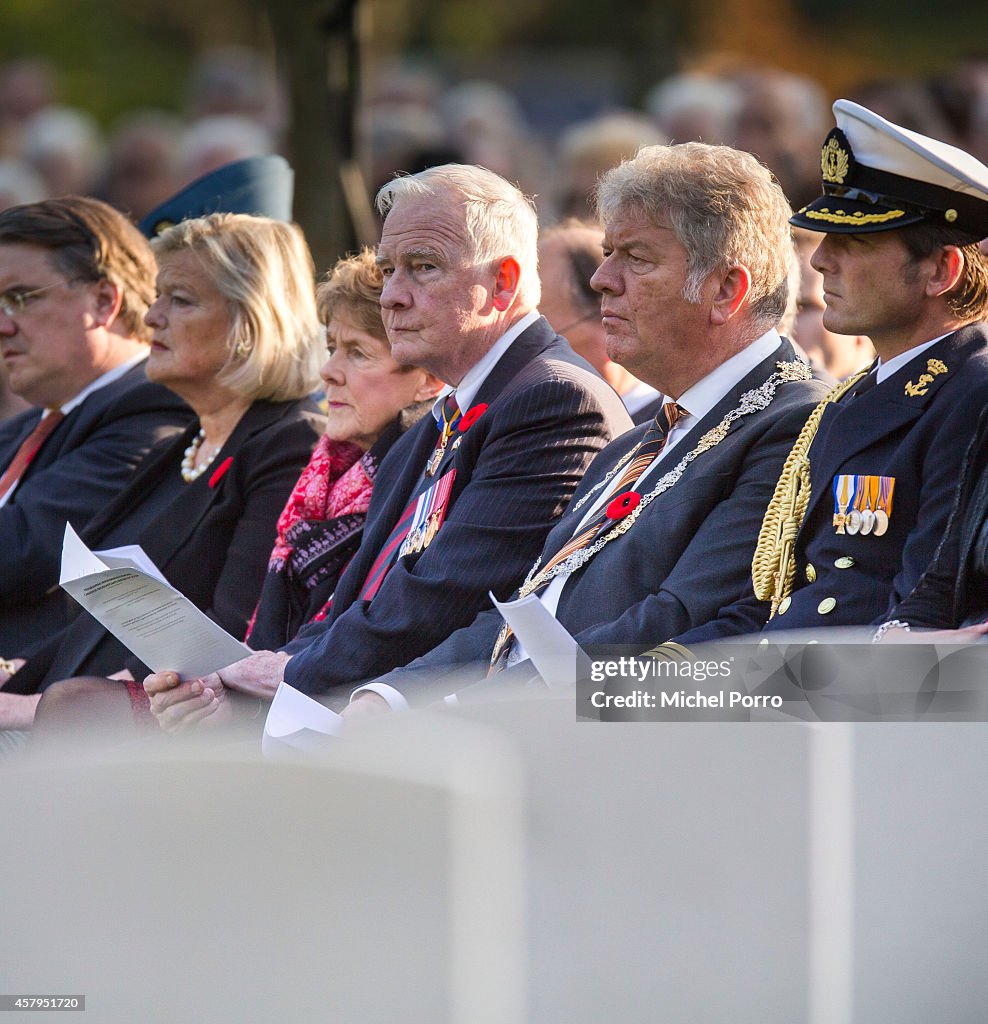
30, 447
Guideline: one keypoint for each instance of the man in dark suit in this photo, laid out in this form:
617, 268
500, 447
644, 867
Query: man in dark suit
693, 281
463, 502
76, 279
901, 216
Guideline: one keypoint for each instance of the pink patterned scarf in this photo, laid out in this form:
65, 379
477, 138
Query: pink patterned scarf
336, 482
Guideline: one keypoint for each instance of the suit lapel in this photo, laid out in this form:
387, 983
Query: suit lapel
396, 481
530, 344
412, 453
751, 380
171, 530
424, 436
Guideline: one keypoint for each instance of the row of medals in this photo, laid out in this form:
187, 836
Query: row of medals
421, 537
864, 522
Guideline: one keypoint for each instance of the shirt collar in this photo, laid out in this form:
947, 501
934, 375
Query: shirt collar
699, 399
473, 379
638, 397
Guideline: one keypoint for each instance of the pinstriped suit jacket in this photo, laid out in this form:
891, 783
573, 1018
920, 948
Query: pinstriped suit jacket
516, 468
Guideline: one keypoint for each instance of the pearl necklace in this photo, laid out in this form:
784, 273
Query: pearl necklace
190, 471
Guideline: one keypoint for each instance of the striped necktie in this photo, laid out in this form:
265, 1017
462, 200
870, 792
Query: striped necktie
647, 452
30, 447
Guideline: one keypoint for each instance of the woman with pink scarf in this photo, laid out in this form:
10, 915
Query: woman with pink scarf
370, 401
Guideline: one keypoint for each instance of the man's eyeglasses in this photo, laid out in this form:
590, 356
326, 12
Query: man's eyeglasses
12, 303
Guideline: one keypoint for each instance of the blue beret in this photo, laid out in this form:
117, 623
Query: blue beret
259, 185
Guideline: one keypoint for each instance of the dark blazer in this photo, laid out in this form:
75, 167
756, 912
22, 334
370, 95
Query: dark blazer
953, 591
516, 467
81, 467
689, 553
212, 542
920, 440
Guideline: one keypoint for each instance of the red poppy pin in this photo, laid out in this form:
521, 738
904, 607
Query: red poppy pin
623, 504
220, 470
470, 417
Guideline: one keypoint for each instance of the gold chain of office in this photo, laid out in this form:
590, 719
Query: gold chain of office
751, 401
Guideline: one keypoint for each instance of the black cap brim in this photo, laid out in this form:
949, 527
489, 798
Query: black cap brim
844, 216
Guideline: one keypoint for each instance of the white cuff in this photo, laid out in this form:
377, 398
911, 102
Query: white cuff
396, 701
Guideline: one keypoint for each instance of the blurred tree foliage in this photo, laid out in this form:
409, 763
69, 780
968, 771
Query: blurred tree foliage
114, 55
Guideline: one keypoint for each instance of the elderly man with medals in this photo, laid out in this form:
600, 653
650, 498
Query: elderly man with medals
463, 501
659, 536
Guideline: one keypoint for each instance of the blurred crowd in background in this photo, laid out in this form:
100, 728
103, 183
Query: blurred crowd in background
409, 117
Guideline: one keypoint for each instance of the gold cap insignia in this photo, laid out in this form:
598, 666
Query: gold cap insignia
835, 159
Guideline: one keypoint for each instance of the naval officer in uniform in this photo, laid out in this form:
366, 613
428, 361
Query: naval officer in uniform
867, 491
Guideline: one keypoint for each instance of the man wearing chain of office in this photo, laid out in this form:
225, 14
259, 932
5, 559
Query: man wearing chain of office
659, 535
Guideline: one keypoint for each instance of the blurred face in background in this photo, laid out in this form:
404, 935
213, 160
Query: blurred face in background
561, 301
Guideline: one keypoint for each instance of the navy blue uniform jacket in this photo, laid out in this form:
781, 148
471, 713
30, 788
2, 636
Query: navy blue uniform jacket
893, 430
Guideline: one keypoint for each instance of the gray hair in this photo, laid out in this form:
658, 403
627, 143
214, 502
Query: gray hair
263, 268
500, 220
725, 209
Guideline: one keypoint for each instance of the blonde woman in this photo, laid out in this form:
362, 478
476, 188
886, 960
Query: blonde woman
236, 335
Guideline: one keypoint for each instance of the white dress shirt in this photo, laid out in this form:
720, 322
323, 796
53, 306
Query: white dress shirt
885, 370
